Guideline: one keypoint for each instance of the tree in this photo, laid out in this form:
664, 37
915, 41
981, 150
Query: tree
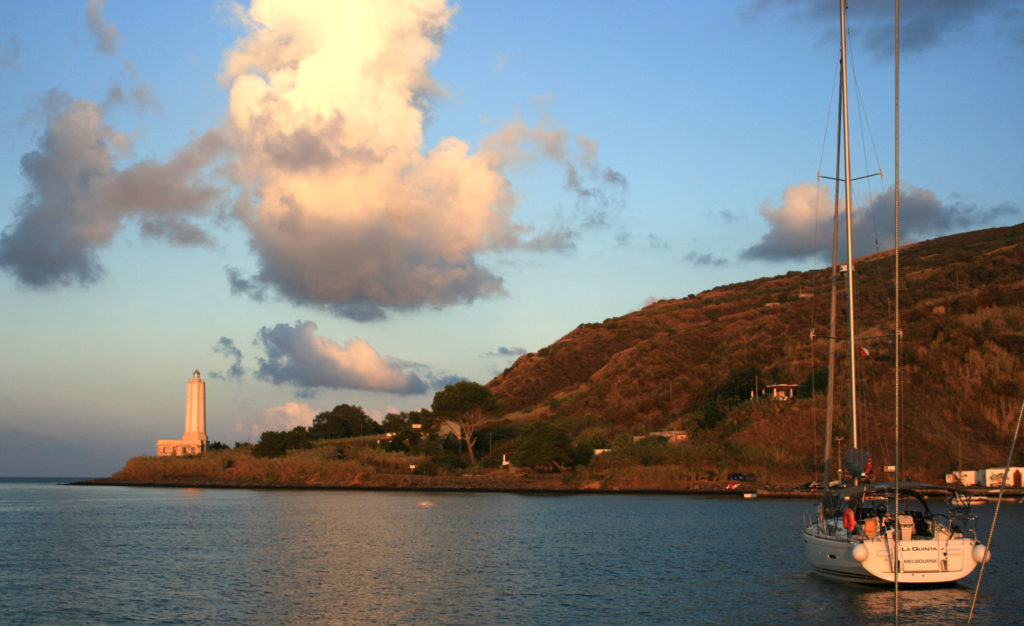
465, 405
297, 437
271, 444
394, 423
732, 390
543, 444
343, 421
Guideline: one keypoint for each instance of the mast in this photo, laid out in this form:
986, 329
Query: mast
849, 233
830, 408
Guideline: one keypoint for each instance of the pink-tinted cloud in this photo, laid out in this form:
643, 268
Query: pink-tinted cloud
802, 225
297, 355
351, 211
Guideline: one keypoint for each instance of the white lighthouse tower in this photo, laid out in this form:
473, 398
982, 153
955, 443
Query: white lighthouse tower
194, 440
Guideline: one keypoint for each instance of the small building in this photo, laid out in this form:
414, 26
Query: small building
673, 436
965, 478
777, 391
782, 391
194, 440
994, 477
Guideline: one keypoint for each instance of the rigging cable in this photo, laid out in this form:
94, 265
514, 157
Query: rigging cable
995, 515
898, 332
814, 302
865, 123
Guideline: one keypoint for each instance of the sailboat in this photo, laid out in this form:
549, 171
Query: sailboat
880, 532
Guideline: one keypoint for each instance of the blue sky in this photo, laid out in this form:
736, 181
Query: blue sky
328, 203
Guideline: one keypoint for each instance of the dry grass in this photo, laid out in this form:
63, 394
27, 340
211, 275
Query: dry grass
316, 466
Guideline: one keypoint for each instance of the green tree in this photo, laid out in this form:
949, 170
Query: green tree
465, 406
297, 437
271, 444
543, 444
395, 423
343, 421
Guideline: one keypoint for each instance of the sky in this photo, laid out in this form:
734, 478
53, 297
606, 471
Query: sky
318, 203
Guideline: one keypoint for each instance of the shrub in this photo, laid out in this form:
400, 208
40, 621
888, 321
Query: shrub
272, 444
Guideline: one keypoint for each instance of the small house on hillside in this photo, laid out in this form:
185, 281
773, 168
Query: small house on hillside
776, 391
673, 436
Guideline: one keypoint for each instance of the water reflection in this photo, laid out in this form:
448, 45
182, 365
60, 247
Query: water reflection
118, 554
916, 605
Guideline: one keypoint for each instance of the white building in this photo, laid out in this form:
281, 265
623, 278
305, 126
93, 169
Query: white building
194, 440
993, 477
966, 478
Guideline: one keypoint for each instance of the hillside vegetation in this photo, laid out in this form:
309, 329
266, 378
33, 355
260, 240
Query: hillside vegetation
691, 363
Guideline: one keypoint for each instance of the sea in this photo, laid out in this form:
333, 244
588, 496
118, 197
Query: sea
113, 555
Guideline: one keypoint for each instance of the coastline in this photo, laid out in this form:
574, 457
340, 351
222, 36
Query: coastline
487, 483
483, 483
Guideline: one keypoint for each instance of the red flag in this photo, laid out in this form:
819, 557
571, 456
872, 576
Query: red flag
864, 352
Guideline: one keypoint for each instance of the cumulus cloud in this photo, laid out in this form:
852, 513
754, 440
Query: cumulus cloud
79, 200
923, 26
346, 207
350, 210
284, 417
297, 355
802, 225
106, 34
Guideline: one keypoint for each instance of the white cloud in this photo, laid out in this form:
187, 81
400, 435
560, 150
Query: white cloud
296, 355
351, 210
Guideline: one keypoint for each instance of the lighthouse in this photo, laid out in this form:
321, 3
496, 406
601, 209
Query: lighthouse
195, 410
194, 440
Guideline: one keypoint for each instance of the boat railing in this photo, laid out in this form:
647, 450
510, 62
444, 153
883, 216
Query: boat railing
964, 520
817, 522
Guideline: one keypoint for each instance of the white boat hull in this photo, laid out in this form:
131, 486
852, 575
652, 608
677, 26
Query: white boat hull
921, 561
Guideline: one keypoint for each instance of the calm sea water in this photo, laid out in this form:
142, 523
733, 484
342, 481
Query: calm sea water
146, 555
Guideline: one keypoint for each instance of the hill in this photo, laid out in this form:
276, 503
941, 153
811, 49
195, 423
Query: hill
691, 364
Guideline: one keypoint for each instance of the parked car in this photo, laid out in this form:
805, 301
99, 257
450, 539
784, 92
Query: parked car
737, 476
